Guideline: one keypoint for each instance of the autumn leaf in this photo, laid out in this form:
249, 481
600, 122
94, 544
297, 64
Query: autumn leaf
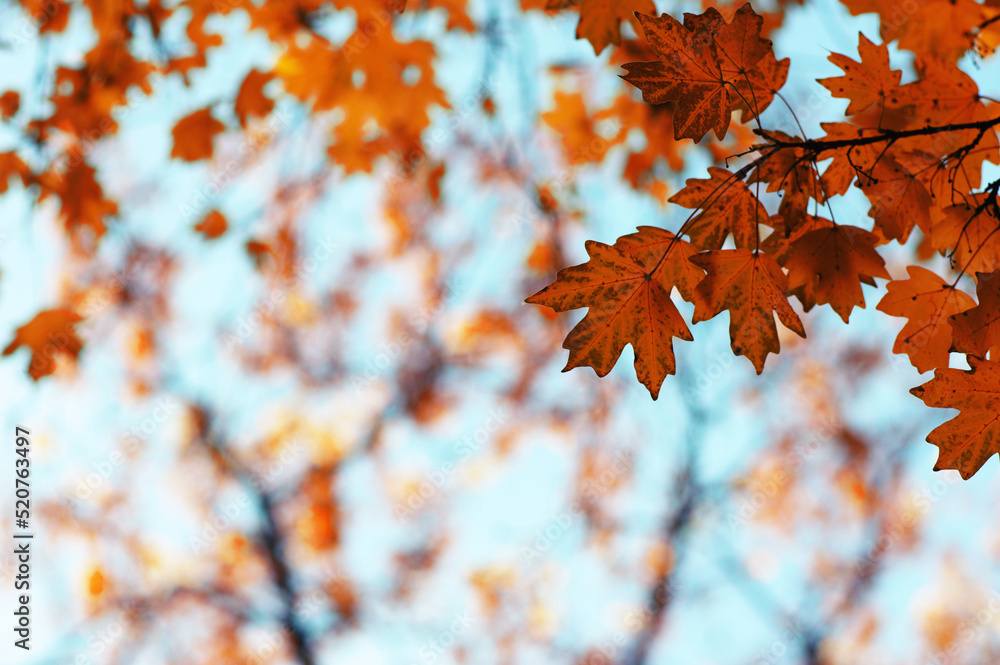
628, 298
829, 264
313, 73
942, 94
697, 66
943, 27
577, 129
657, 123
600, 20
83, 204
971, 234
10, 102
976, 330
212, 226
867, 82
47, 15
899, 201
282, 21
649, 244
779, 245
756, 89
927, 302
969, 439
86, 97
847, 160
752, 287
728, 207
251, 100
541, 257
358, 79
193, 136
258, 251
51, 331
737, 43
11, 165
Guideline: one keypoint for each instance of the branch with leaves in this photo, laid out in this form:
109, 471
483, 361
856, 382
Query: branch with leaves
917, 151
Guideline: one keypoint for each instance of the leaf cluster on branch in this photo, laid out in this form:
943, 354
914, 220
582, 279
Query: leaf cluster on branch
758, 234
918, 153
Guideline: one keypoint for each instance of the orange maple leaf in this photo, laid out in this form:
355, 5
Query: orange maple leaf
927, 302
48, 15
973, 436
50, 332
251, 100
977, 330
657, 123
577, 129
738, 45
944, 27
360, 78
867, 82
626, 287
83, 204
87, 96
283, 21
779, 245
10, 102
752, 287
828, 265
213, 225
313, 73
728, 207
649, 243
12, 165
971, 233
757, 88
193, 136
600, 20
899, 201
699, 62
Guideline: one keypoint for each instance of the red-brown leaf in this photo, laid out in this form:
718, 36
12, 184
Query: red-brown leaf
973, 436
752, 287
629, 302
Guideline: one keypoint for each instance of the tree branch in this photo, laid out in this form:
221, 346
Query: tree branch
819, 145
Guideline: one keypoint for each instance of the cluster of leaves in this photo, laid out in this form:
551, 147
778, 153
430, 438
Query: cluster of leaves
354, 79
917, 152
374, 92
